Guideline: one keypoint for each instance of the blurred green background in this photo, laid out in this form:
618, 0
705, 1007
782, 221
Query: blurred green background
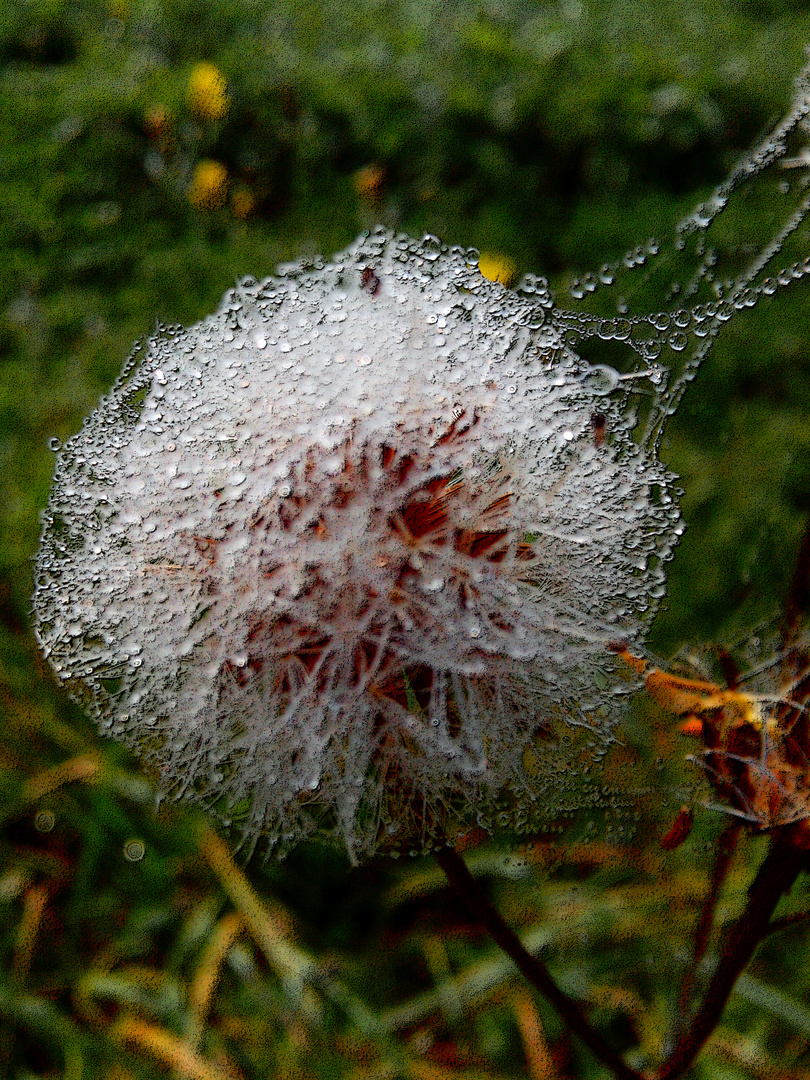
149, 154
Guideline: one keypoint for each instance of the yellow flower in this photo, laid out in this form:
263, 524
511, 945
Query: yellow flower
207, 92
498, 268
209, 185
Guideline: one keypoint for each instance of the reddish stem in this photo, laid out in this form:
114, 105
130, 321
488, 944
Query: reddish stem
726, 846
782, 865
473, 896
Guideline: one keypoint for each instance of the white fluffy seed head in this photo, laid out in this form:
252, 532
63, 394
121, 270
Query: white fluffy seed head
337, 557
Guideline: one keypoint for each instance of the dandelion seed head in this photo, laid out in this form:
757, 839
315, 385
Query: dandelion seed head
336, 557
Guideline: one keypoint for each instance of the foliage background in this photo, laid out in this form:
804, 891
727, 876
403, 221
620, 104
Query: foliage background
555, 134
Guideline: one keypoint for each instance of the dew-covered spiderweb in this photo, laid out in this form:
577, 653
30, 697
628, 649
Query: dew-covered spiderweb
668, 298
665, 301
347, 558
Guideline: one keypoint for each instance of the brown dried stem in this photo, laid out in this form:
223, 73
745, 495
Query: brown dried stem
475, 899
726, 847
782, 865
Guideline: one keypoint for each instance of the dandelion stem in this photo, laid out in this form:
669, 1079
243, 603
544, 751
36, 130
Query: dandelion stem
482, 910
782, 865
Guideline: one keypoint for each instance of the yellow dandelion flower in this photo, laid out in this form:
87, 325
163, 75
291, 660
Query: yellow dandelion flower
209, 185
498, 268
207, 92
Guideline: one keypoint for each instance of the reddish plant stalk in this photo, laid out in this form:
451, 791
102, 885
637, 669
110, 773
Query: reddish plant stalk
726, 846
475, 899
782, 865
